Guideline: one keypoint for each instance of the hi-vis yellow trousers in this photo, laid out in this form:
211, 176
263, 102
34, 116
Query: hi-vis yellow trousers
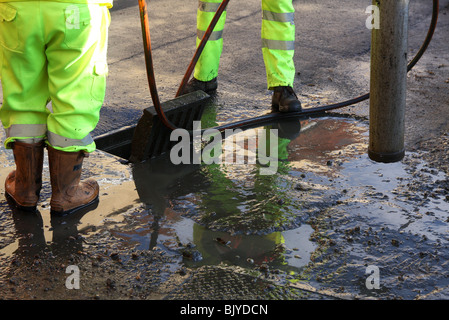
278, 41
53, 51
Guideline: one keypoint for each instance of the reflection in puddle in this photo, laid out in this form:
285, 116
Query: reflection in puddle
291, 247
230, 213
326, 212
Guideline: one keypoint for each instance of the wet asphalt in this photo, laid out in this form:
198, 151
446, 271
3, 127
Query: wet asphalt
315, 230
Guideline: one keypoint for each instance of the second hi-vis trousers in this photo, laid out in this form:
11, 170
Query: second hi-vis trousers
278, 41
53, 51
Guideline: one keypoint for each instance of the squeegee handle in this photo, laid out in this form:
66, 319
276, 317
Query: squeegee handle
264, 118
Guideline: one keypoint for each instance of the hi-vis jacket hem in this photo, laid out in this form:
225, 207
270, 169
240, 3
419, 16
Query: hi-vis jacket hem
108, 3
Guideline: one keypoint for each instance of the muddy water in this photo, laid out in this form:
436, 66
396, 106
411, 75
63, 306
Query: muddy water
323, 217
318, 221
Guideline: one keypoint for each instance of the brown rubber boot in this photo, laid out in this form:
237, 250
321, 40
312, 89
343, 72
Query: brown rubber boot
69, 194
24, 184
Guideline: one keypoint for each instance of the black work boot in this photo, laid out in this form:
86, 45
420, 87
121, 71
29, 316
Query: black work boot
285, 100
206, 86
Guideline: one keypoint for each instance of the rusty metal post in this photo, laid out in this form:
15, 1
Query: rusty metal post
388, 81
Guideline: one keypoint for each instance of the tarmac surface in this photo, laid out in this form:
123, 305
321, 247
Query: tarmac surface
163, 232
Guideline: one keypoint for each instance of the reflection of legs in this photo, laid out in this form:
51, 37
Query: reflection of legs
206, 69
287, 130
30, 232
278, 45
66, 239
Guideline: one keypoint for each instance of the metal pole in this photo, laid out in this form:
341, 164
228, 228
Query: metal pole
388, 81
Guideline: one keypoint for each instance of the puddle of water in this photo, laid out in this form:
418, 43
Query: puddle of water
230, 213
277, 249
323, 189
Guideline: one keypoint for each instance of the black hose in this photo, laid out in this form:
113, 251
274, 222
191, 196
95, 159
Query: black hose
318, 110
271, 116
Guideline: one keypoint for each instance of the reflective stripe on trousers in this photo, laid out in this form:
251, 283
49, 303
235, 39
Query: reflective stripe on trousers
278, 41
60, 56
207, 66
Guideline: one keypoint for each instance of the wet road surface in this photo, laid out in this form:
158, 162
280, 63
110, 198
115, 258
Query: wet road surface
312, 230
326, 215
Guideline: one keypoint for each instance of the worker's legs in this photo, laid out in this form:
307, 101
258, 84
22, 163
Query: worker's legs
278, 47
278, 42
206, 68
57, 51
23, 73
77, 70
53, 51
23, 185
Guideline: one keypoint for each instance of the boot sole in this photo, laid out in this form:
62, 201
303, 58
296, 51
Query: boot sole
84, 208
